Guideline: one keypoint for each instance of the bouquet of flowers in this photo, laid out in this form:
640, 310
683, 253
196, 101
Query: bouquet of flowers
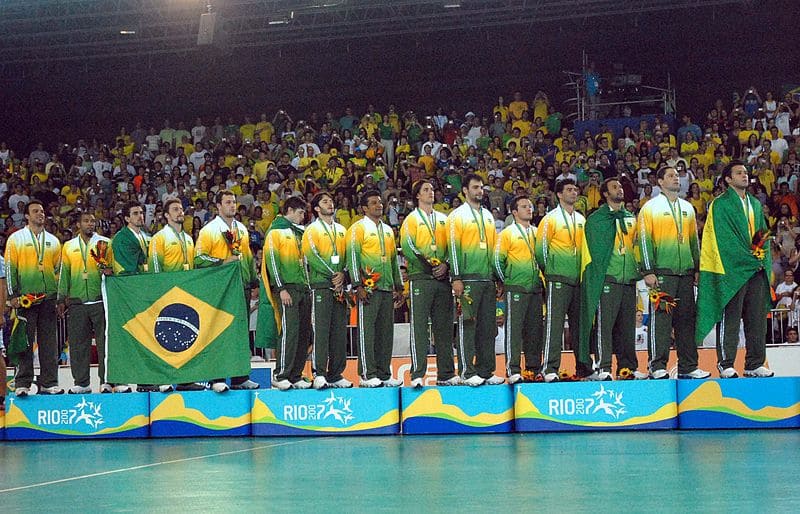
370, 280
100, 255
27, 301
564, 376
661, 299
532, 376
464, 300
625, 374
233, 240
760, 239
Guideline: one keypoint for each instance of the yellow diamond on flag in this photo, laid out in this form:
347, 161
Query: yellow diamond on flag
178, 326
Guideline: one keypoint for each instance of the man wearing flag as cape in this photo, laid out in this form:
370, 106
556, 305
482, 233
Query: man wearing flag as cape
734, 259
608, 286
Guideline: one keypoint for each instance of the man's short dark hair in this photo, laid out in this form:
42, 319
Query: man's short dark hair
562, 183
318, 198
33, 202
222, 193
170, 202
515, 202
366, 195
604, 185
294, 203
417, 188
727, 170
470, 177
126, 210
662, 171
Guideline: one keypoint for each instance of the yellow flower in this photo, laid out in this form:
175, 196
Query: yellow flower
435, 261
25, 302
369, 283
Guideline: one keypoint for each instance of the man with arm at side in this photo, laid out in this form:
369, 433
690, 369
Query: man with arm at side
33, 258
283, 266
471, 237
423, 237
80, 299
515, 261
375, 272
324, 249
559, 239
670, 259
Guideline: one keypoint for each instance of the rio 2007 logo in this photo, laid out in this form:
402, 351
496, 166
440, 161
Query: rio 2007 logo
604, 402
84, 412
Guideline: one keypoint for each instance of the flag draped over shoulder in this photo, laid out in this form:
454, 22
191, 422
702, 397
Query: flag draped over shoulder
169, 328
598, 245
268, 328
727, 261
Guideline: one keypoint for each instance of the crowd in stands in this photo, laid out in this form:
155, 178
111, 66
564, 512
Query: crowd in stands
518, 147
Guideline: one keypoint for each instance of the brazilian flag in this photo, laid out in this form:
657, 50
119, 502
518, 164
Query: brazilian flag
179, 327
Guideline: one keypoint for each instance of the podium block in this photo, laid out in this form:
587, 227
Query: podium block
623, 405
739, 403
2, 424
80, 416
457, 410
200, 413
326, 412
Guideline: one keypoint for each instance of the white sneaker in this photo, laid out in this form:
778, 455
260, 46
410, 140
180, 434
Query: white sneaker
372, 382
282, 385
551, 377
638, 375
106, 388
474, 381
417, 382
51, 390
76, 389
513, 379
219, 387
599, 376
659, 374
301, 384
122, 388
697, 374
452, 381
342, 383
392, 382
759, 372
494, 380
320, 382
22, 392
728, 373
247, 385
166, 388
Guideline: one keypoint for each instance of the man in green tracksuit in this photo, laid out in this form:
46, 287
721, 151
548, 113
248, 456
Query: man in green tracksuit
373, 267
515, 261
471, 238
284, 268
79, 291
423, 238
324, 250
559, 239
608, 285
670, 259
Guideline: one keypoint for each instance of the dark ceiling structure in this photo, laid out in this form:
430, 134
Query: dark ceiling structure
34, 33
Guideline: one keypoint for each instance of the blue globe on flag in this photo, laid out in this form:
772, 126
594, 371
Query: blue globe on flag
177, 327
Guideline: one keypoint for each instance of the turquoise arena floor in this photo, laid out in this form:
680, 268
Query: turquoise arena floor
699, 471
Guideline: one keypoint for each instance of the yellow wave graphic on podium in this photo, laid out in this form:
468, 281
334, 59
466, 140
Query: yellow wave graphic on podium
430, 404
15, 418
527, 410
709, 397
173, 408
263, 414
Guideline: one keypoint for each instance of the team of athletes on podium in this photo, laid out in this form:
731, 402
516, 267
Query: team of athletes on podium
457, 264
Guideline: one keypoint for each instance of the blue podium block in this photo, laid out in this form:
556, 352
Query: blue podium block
623, 405
739, 403
262, 376
457, 410
200, 413
326, 412
80, 416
